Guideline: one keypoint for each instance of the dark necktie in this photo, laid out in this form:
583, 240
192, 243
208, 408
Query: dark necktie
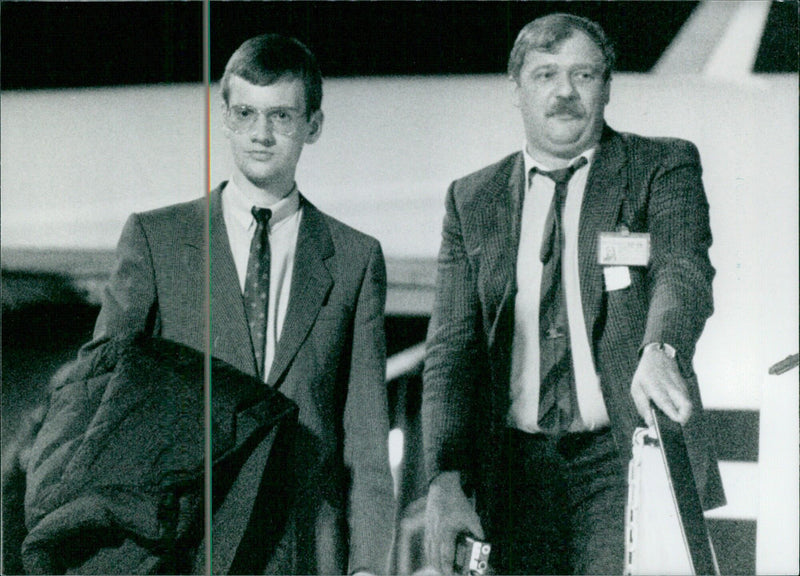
256, 285
557, 379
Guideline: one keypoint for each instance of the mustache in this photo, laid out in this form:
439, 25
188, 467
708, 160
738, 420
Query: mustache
566, 107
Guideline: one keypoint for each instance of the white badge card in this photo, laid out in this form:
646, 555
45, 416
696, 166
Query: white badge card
616, 277
623, 249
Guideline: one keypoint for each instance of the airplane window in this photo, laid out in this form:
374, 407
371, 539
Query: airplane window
778, 51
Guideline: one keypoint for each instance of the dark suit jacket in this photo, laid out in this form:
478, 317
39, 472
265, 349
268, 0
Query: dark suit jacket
330, 361
649, 185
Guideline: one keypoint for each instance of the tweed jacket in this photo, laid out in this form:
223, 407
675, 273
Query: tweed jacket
330, 361
647, 185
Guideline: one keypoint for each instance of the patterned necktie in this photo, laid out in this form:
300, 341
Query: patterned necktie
557, 380
256, 285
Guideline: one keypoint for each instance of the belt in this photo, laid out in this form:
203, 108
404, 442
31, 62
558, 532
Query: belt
567, 444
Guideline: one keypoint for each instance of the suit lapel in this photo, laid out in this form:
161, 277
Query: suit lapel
311, 283
187, 251
500, 226
187, 272
230, 336
192, 229
605, 192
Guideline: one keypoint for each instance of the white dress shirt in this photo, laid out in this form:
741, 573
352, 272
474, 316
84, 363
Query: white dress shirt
284, 226
525, 379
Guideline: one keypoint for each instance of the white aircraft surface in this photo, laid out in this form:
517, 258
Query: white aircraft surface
76, 162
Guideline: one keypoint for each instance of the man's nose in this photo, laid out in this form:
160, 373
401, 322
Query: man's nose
564, 85
262, 129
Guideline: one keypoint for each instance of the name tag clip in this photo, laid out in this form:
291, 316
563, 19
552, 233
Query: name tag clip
623, 248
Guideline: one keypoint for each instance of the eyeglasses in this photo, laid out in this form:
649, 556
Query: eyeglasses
241, 119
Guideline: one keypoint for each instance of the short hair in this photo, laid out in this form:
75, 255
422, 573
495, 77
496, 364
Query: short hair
546, 34
265, 59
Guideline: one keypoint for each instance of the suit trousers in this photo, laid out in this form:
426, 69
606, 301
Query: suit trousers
563, 510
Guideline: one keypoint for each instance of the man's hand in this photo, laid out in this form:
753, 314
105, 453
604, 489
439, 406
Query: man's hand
659, 380
448, 514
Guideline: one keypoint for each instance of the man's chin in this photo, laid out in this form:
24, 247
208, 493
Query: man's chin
259, 176
567, 132
571, 142
567, 147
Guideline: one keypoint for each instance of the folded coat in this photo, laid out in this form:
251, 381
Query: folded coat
116, 474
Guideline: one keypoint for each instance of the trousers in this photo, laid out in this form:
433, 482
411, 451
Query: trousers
563, 506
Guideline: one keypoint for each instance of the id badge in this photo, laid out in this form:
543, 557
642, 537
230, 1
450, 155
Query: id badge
623, 249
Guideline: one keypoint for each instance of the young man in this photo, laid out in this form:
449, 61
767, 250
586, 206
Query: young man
297, 299
542, 360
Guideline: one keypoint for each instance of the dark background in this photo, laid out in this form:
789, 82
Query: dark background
58, 44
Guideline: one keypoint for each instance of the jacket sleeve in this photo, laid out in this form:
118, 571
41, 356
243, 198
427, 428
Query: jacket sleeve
366, 428
680, 273
129, 301
452, 353
680, 291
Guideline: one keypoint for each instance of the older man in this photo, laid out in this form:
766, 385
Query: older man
573, 285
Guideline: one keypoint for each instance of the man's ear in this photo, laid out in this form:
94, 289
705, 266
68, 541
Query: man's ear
516, 97
223, 108
315, 127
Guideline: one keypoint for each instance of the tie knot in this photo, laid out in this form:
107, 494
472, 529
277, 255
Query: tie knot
262, 215
562, 176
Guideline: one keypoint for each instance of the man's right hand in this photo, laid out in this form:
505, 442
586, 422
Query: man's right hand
448, 514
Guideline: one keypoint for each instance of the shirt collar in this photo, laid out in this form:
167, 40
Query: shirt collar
240, 203
531, 163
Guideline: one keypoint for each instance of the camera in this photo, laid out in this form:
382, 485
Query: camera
472, 556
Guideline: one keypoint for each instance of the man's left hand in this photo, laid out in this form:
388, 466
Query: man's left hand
658, 380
